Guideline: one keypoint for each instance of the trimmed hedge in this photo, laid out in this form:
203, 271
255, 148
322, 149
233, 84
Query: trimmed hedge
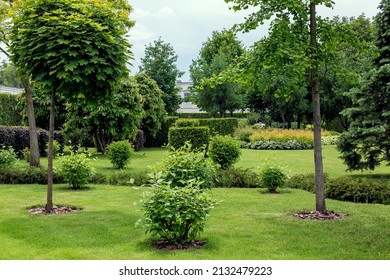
9, 115
18, 138
224, 126
197, 136
161, 138
31, 175
187, 123
207, 115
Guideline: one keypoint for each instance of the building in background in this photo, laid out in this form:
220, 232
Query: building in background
186, 107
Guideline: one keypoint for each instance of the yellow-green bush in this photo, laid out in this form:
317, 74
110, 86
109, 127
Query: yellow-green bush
282, 135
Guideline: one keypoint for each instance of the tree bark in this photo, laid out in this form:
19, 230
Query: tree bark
314, 88
32, 127
49, 203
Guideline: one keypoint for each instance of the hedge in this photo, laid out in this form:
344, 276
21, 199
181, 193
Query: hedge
207, 115
161, 138
9, 115
18, 138
197, 136
224, 126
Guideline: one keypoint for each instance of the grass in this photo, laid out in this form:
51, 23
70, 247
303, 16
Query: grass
248, 224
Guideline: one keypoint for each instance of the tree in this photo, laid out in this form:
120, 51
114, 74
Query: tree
8, 75
367, 142
159, 63
296, 20
152, 104
76, 48
114, 119
215, 56
6, 8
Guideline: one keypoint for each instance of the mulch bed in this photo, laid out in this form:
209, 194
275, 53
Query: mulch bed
57, 209
319, 216
165, 245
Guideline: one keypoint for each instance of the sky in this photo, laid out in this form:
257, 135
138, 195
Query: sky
187, 24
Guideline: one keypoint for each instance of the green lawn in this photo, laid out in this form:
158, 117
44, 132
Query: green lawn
247, 224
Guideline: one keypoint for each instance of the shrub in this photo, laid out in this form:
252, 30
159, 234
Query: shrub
283, 135
187, 123
177, 215
243, 134
330, 140
9, 115
224, 126
76, 170
7, 157
305, 182
120, 153
274, 145
357, 190
139, 140
224, 150
31, 175
197, 136
125, 178
161, 138
272, 177
236, 178
185, 164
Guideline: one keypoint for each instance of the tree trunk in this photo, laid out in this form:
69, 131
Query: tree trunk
32, 128
49, 203
313, 80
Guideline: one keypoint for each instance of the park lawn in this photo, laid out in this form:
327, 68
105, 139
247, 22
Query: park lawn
247, 224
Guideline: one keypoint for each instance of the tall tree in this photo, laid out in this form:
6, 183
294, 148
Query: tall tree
76, 48
159, 63
367, 142
215, 56
6, 8
296, 15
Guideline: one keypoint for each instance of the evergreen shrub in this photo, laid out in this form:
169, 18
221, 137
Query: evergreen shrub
197, 136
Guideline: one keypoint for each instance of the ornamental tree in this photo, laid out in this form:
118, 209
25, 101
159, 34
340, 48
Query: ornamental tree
73, 47
367, 142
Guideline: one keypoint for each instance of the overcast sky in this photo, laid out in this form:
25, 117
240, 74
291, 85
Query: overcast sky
186, 24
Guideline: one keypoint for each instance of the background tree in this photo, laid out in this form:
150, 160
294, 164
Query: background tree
367, 142
76, 48
6, 10
152, 104
159, 63
9, 76
215, 56
116, 118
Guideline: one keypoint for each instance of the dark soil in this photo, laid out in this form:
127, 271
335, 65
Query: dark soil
165, 245
57, 209
319, 216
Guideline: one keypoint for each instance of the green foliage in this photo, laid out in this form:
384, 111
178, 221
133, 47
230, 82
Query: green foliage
187, 123
236, 178
161, 138
115, 119
176, 214
76, 170
272, 177
7, 157
9, 76
120, 153
197, 136
159, 63
224, 150
183, 165
225, 126
30, 175
358, 190
152, 104
275, 145
126, 178
72, 44
9, 115
305, 182
216, 55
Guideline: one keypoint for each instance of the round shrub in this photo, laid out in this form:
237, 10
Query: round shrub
76, 170
272, 177
7, 157
185, 164
224, 150
120, 153
176, 215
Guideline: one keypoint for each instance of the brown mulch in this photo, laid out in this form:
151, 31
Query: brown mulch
165, 245
319, 216
57, 209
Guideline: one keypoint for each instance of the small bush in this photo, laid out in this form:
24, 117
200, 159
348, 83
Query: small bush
236, 178
197, 136
139, 140
357, 190
7, 157
76, 170
120, 153
125, 178
185, 164
31, 175
305, 182
177, 215
272, 177
224, 150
